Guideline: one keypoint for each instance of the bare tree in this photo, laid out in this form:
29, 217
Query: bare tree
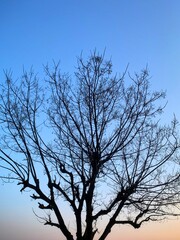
92, 141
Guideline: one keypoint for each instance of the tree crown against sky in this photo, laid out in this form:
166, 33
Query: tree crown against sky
93, 143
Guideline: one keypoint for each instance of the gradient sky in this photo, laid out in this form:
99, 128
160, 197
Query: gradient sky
138, 32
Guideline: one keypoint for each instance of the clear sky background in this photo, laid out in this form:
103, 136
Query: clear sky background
138, 32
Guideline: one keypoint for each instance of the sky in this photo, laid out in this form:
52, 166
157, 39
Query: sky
139, 33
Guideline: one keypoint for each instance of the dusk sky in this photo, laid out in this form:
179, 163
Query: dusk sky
136, 32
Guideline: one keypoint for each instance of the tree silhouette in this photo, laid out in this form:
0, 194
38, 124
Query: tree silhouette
92, 141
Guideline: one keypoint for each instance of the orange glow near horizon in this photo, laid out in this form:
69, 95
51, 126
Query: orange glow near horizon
166, 230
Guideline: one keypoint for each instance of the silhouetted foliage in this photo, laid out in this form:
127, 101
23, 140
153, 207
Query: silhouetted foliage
92, 141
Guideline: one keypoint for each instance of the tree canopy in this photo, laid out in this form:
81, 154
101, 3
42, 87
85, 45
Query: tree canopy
93, 141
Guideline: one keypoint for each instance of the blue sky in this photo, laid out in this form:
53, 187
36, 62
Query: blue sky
139, 32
